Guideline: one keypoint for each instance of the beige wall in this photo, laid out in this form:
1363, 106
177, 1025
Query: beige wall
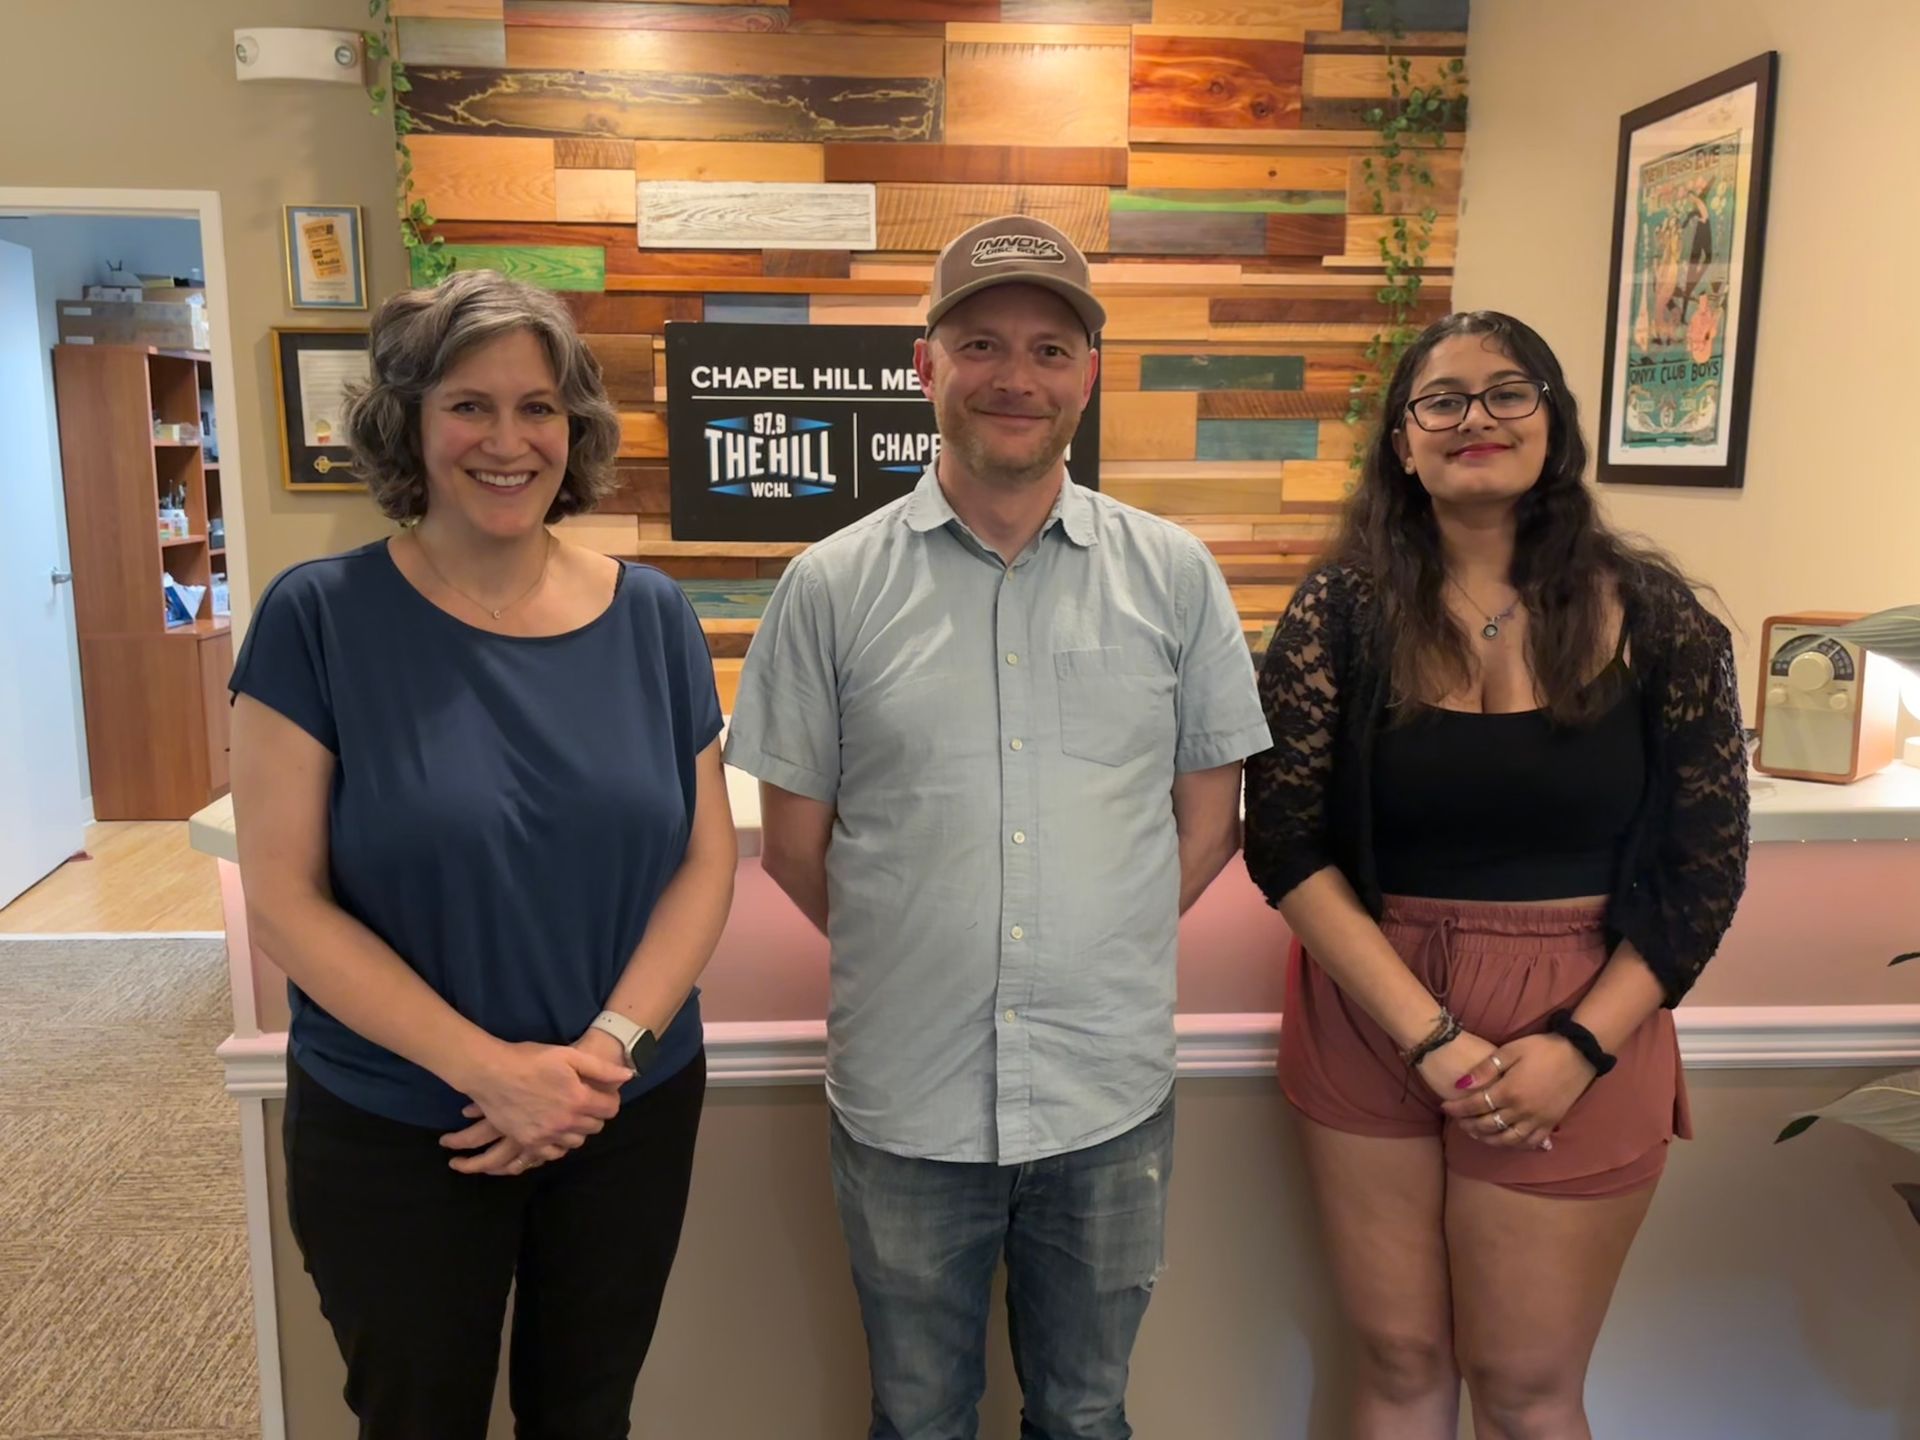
134, 94
1830, 516
1774, 1293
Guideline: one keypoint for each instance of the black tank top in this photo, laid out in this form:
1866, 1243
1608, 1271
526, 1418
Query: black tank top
1508, 807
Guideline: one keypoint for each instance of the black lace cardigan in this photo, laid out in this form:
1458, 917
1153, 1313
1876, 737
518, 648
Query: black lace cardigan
1324, 686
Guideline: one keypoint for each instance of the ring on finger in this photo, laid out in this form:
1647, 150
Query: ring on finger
1500, 1120
1492, 1109
1499, 1065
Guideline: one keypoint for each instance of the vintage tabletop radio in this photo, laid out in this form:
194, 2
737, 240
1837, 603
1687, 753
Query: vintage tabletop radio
1828, 710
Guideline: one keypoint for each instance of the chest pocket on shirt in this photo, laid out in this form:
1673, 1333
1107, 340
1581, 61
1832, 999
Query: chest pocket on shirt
1114, 706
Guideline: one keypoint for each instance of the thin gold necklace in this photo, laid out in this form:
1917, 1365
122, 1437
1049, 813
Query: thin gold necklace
546, 562
1492, 628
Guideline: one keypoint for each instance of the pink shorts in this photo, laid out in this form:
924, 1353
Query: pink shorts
1502, 970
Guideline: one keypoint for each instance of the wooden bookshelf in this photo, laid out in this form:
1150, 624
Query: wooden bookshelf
155, 695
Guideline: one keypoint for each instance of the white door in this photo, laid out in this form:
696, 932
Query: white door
42, 820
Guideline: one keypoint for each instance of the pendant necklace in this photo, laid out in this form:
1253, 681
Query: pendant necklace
546, 562
1491, 630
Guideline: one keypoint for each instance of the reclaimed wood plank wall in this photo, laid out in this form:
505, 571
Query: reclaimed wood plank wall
801, 162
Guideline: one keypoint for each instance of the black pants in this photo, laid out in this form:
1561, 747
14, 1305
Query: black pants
413, 1262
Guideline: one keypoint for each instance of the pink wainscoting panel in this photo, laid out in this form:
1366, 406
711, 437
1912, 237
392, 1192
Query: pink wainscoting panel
1817, 926
771, 963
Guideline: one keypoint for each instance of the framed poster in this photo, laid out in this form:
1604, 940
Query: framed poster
1689, 219
788, 432
312, 372
326, 257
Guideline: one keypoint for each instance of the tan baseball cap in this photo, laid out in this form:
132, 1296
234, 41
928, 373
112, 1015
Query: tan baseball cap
1014, 250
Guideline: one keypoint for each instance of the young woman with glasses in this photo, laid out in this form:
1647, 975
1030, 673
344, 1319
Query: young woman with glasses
1505, 816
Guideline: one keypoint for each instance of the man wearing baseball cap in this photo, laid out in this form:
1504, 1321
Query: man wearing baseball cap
998, 726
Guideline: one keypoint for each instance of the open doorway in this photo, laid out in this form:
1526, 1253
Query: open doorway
55, 246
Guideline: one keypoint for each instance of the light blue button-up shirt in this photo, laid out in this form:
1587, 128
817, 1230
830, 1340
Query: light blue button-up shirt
999, 743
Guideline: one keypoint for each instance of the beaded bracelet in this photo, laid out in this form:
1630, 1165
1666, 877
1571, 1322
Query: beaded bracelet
1445, 1028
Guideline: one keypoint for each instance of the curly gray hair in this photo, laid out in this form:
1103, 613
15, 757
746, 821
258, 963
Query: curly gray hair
419, 335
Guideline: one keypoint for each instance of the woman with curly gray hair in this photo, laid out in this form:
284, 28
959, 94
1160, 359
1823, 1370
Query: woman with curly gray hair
483, 827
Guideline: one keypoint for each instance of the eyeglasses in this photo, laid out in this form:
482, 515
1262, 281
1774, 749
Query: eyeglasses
1447, 410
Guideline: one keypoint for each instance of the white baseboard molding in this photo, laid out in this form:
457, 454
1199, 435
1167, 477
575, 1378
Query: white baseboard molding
1743, 1037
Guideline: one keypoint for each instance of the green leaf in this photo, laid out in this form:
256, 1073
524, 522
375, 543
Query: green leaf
1910, 1194
1456, 65
379, 94
1888, 1107
401, 85
1893, 633
1797, 1127
1375, 115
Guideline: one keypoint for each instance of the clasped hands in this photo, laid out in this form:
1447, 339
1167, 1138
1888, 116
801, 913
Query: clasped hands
1511, 1095
533, 1104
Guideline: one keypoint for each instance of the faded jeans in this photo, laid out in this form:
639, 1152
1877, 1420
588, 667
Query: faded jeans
1082, 1235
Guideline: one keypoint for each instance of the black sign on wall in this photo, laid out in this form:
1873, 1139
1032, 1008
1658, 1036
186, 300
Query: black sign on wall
788, 432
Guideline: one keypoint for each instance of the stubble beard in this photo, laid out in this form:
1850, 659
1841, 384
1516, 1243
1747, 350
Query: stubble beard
962, 433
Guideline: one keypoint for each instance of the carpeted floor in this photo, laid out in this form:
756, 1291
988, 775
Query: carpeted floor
125, 1309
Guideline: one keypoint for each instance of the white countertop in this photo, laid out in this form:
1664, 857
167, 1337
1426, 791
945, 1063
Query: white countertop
1881, 806
1885, 806
211, 830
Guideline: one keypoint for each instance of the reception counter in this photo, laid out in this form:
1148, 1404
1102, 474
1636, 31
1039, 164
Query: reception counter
1787, 1277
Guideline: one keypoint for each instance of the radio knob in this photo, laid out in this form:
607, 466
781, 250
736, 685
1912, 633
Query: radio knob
1810, 670
1777, 695
1838, 700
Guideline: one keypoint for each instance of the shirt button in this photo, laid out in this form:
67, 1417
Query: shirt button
1012, 659
1009, 1017
1017, 933
1019, 837
1015, 743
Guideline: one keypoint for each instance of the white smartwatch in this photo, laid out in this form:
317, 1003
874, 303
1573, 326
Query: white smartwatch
637, 1042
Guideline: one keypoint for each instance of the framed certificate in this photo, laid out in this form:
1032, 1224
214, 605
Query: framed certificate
313, 371
326, 257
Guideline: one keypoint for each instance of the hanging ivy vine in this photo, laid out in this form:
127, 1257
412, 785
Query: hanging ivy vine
427, 258
1397, 177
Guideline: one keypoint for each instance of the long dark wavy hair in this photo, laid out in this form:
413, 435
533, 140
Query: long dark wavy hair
1563, 558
